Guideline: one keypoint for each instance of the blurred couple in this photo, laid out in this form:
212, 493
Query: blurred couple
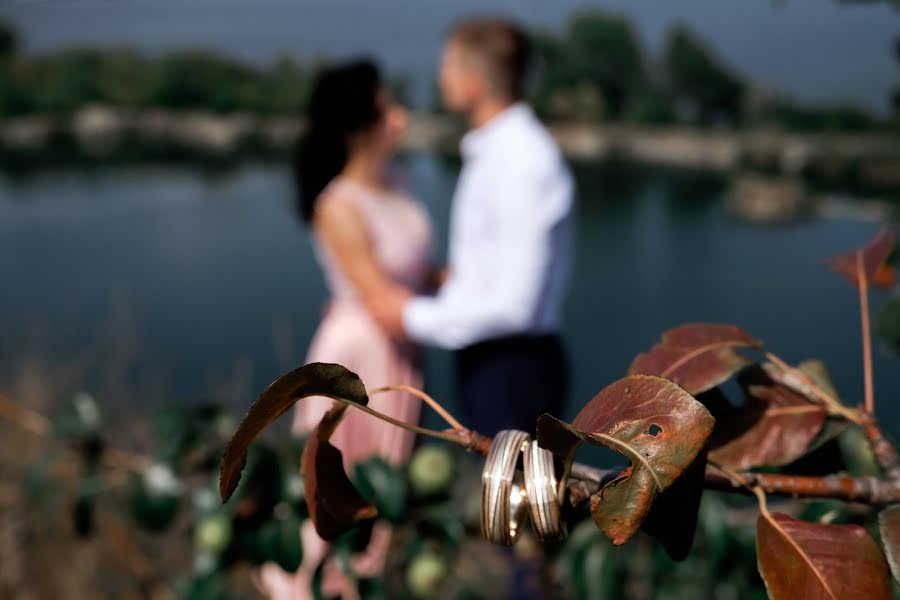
496, 306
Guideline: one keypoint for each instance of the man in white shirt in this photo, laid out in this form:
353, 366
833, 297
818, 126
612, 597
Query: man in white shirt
510, 237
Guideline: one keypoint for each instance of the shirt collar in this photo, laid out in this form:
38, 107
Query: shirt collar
475, 140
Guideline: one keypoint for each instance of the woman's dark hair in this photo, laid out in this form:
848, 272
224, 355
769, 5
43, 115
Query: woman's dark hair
344, 101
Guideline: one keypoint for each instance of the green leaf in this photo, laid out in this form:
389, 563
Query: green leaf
444, 522
889, 324
696, 356
652, 421
38, 484
212, 533
383, 485
155, 497
83, 508
178, 429
432, 469
278, 541
857, 453
78, 419
212, 586
260, 488
798, 559
425, 573
589, 564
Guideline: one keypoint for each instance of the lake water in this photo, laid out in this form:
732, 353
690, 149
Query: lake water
153, 284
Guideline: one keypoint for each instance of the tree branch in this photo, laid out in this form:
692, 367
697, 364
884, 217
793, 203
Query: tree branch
867, 490
883, 450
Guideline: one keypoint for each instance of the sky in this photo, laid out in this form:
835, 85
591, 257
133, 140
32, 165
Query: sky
815, 51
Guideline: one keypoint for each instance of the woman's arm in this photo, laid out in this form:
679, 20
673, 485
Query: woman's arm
340, 228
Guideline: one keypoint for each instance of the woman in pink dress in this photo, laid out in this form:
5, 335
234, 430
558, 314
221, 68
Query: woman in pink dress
373, 241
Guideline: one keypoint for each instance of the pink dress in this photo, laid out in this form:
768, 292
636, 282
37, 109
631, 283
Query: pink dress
400, 234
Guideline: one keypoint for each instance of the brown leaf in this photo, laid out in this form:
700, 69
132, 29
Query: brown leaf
335, 505
316, 379
889, 524
774, 426
696, 356
653, 422
798, 559
874, 256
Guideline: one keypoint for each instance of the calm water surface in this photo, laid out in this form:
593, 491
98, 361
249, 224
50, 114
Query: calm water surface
147, 285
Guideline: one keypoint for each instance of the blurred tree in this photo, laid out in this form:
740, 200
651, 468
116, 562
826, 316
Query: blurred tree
697, 77
9, 40
650, 105
822, 119
604, 52
286, 87
14, 97
593, 72
555, 73
121, 78
67, 80
200, 80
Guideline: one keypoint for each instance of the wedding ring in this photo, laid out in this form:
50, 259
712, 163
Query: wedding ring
542, 488
504, 502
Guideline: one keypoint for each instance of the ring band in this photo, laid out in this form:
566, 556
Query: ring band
541, 486
503, 501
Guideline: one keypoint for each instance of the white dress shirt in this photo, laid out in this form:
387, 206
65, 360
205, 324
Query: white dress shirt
510, 238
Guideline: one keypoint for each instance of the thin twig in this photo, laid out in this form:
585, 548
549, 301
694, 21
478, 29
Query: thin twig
761, 498
40, 425
457, 437
866, 333
24, 417
426, 398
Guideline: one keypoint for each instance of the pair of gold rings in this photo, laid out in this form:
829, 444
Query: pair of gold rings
509, 496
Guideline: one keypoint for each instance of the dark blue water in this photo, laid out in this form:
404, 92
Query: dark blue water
147, 285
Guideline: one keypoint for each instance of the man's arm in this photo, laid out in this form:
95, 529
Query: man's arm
502, 296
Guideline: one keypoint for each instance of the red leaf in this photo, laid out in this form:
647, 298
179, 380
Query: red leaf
333, 501
874, 255
889, 524
696, 356
798, 559
885, 277
653, 422
774, 426
335, 505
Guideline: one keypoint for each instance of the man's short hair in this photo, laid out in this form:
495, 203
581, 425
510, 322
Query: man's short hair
503, 50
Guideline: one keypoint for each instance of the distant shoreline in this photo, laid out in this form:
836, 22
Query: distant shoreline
872, 159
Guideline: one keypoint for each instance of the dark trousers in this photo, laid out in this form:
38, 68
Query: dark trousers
507, 383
